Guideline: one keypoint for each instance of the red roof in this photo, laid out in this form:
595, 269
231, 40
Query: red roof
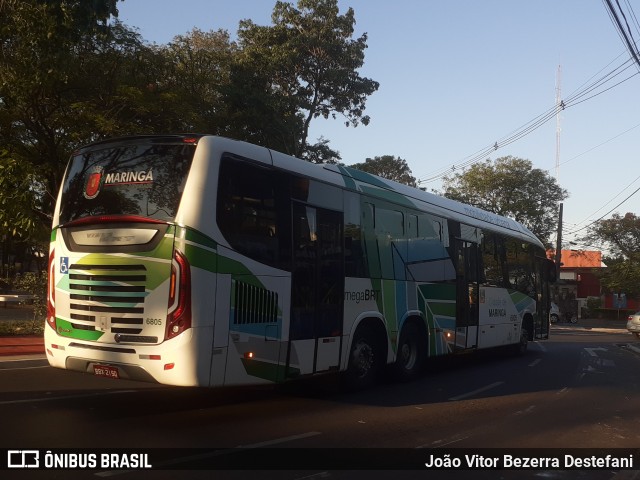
581, 259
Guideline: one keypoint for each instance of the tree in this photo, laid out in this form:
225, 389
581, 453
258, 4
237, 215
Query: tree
20, 197
197, 69
40, 44
388, 166
619, 236
305, 66
69, 74
23, 234
511, 187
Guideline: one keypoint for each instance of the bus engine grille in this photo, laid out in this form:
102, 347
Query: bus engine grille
113, 292
253, 304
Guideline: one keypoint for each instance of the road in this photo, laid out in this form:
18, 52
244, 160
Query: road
580, 389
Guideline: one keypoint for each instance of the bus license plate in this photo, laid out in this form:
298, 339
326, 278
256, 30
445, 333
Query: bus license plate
105, 371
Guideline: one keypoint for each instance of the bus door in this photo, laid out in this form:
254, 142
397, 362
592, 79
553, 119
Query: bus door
317, 290
467, 294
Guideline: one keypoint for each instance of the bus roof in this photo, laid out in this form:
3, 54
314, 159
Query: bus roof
355, 180
448, 208
392, 191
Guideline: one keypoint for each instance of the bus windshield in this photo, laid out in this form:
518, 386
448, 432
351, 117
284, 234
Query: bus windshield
142, 177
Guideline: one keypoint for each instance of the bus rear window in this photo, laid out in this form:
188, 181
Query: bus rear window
130, 178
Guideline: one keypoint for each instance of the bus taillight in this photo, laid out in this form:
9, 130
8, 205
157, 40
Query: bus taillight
179, 316
51, 292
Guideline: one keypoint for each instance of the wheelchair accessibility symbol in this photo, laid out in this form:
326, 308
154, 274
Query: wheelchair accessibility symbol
64, 265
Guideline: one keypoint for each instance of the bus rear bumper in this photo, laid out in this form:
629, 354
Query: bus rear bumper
173, 362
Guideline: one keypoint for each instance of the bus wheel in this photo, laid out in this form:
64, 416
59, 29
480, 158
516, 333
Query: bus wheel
364, 361
521, 346
410, 354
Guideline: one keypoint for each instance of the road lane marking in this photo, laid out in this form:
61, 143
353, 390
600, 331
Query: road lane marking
592, 351
315, 475
217, 453
280, 440
479, 390
68, 397
526, 411
535, 362
30, 358
440, 444
22, 368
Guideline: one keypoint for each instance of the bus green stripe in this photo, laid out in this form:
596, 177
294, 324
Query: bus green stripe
200, 238
65, 329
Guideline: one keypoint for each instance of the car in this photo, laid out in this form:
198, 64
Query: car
633, 324
554, 313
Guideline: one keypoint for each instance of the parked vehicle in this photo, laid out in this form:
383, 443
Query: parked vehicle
633, 324
554, 313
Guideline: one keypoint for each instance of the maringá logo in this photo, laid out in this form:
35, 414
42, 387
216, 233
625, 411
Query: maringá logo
94, 180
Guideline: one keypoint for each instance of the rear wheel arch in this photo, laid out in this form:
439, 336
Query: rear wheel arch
367, 354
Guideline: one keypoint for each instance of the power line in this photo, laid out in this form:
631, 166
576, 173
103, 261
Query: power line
627, 36
619, 193
601, 144
575, 98
596, 221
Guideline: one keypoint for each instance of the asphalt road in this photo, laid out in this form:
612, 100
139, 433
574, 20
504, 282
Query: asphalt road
577, 390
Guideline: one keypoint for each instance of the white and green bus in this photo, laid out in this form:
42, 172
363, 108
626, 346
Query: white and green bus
199, 260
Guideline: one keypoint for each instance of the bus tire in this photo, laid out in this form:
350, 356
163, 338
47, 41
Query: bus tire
521, 346
365, 360
526, 330
411, 353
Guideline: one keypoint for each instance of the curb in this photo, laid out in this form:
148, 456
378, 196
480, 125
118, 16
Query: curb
21, 345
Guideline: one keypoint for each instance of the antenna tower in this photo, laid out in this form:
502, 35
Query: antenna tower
559, 107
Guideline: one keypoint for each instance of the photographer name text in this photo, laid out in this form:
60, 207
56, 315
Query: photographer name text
506, 461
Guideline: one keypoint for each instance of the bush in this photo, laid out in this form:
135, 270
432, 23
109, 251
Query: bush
614, 314
34, 284
592, 308
21, 328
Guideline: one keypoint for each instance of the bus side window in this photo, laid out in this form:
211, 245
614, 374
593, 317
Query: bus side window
354, 255
392, 247
369, 239
247, 210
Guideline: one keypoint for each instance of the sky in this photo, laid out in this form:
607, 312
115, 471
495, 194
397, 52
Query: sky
458, 76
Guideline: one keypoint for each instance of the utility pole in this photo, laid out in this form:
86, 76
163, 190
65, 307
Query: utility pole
559, 244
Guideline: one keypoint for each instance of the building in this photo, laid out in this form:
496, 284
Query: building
578, 280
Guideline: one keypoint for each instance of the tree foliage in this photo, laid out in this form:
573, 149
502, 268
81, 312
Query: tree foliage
389, 166
619, 236
63, 81
308, 67
196, 71
20, 197
511, 187
71, 73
